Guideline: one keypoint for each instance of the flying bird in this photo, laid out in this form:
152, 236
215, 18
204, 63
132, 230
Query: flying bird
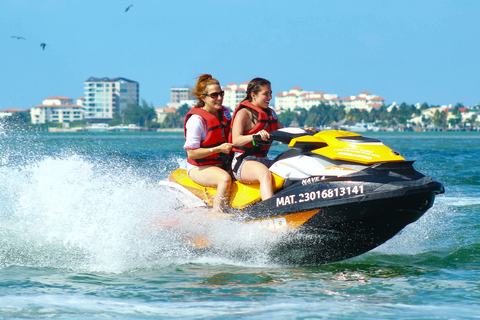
43, 45
128, 8
16, 37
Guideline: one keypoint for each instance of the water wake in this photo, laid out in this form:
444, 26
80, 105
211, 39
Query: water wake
68, 212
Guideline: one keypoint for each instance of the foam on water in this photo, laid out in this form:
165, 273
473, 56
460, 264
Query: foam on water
68, 212
464, 201
419, 236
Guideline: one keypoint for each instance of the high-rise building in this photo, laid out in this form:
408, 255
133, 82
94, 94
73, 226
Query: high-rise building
104, 97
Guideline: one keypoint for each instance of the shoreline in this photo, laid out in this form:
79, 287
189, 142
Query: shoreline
170, 130
83, 130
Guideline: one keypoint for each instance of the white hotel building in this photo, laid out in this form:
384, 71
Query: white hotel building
234, 94
57, 109
298, 98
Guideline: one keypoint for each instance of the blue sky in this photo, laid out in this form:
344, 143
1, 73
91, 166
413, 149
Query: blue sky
405, 51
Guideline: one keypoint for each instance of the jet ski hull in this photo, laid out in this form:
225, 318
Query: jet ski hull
355, 213
340, 232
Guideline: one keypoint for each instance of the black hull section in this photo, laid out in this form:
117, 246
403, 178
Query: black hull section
340, 232
384, 181
356, 213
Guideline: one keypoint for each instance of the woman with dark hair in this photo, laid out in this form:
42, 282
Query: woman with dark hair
254, 116
206, 129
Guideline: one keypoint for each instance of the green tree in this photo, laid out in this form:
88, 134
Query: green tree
456, 109
457, 115
426, 120
473, 120
115, 122
357, 115
403, 113
324, 114
78, 123
183, 110
440, 119
454, 121
140, 115
175, 120
287, 117
314, 117
424, 106
302, 115
19, 118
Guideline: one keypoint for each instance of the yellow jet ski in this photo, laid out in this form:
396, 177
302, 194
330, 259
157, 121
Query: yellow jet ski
342, 194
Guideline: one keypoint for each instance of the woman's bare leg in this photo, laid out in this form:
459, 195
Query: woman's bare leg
212, 176
254, 171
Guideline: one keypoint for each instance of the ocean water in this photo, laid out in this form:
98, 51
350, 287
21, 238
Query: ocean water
86, 232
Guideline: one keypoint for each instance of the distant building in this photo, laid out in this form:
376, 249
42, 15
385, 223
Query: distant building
9, 112
287, 100
181, 96
299, 98
176, 105
57, 109
104, 97
234, 94
163, 112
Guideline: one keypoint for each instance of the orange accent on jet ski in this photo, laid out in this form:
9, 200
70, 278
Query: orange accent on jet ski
288, 221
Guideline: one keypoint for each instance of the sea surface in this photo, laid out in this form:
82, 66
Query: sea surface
83, 236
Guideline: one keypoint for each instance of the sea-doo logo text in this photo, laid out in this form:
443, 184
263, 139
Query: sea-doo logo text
311, 180
321, 194
275, 223
359, 153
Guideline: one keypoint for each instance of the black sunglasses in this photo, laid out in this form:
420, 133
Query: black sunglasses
214, 95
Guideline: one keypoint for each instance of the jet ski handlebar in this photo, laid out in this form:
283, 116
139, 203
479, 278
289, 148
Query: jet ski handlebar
284, 135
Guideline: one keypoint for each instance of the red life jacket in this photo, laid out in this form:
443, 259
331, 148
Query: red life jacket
217, 133
267, 120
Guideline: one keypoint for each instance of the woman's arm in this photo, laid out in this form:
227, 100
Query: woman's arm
242, 119
201, 153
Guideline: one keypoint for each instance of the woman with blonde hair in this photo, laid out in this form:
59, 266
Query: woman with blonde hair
206, 129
